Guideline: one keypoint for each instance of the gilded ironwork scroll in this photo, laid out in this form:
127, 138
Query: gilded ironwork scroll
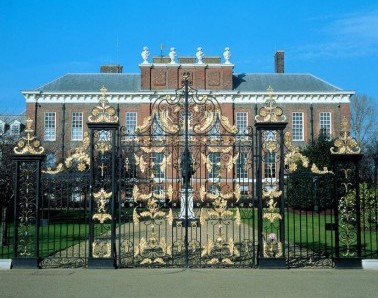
151, 248
28, 144
103, 129
345, 144
103, 112
27, 206
270, 112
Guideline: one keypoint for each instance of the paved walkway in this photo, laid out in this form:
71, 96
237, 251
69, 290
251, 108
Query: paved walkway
181, 283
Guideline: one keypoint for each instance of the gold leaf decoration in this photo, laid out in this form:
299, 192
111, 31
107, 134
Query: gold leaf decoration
170, 217
271, 213
153, 150
316, 170
103, 112
237, 192
135, 193
219, 149
139, 161
29, 144
227, 126
203, 217
101, 249
237, 217
167, 123
207, 248
102, 217
170, 193
147, 122
206, 160
146, 261
102, 198
345, 144
213, 261
272, 193
270, 112
202, 193
135, 217
233, 250
59, 168
206, 124
227, 261
165, 162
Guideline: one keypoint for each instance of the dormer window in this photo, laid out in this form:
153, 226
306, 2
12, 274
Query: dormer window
15, 128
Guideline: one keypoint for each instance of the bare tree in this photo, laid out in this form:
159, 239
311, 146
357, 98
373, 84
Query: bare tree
363, 118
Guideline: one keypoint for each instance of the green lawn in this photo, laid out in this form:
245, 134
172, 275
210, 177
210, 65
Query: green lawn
308, 230
57, 237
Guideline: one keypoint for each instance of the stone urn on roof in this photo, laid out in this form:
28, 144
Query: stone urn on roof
145, 54
199, 55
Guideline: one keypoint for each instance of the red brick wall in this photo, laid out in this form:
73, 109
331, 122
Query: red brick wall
162, 77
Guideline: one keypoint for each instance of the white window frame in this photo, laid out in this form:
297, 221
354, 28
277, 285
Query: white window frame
130, 133
77, 126
297, 126
241, 122
323, 125
17, 125
50, 131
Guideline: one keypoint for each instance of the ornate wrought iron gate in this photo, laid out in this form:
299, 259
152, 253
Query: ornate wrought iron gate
184, 189
187, 195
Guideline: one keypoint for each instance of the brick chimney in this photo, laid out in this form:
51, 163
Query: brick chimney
111, 68
279, 66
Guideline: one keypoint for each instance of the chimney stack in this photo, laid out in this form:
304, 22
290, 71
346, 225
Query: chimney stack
279, 66
111, 68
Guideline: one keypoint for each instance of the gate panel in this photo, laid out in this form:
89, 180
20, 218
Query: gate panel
64, 208
186, 187
64, 219
310, 222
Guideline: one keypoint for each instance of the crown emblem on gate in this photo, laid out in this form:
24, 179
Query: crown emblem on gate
103, 112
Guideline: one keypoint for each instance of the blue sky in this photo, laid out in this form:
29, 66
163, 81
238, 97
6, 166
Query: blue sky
44, 39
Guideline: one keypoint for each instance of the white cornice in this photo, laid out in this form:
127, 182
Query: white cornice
222, 96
